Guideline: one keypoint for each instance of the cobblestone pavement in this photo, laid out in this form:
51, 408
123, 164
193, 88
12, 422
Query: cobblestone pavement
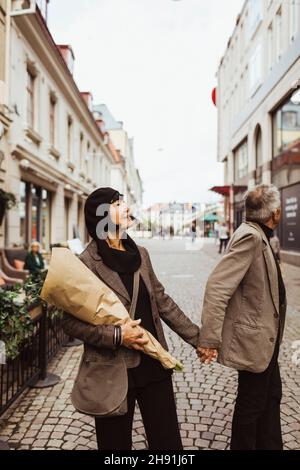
45, 419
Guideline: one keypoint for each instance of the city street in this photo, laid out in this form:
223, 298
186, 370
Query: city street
45, 419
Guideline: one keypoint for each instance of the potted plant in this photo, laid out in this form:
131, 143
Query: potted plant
7, 201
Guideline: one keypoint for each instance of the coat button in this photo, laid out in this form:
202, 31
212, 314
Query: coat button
276, 315
272, 340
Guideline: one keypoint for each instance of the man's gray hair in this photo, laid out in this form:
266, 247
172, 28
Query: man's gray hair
261, 202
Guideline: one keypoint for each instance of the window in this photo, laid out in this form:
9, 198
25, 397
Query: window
278, 34
94, 170
52, 119
69, 138
35, 214
241, 162
24, 190
2, 45
81, 150
286, 129
255, 15
67, 217
270, 47
87, 157
255, 69
289, 119
45, 219
30, 98
258, 152
294, 14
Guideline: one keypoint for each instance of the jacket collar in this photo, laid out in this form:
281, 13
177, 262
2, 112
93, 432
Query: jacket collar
112, 278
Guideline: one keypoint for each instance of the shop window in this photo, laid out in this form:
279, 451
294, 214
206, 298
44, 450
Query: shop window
286, 128
35, 214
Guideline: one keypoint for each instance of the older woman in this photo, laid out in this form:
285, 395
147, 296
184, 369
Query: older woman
114, 257
34, 261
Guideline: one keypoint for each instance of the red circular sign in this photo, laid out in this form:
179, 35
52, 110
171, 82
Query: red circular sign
214, 96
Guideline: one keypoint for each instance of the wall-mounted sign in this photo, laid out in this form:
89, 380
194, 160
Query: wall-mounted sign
290, 225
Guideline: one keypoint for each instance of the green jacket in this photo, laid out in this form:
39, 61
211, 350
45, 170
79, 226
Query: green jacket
31, 263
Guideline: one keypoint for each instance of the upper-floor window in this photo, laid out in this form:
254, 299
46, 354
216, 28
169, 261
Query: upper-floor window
278, 34
69, 138
255, 15
270, 47
31, 97
255, 69
241, 162
52, 119
81, 149
294, 15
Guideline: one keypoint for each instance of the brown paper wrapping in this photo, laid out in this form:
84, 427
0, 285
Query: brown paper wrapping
73, 287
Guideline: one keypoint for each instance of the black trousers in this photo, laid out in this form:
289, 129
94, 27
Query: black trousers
223, 242
158, 409
256, 420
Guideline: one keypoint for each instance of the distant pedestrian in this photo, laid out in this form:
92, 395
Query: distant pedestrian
194, 231
34, 260
223, 237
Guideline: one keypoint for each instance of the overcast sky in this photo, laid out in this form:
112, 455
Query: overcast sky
153, 62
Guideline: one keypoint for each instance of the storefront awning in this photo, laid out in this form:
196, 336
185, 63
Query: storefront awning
224, 190
210, 218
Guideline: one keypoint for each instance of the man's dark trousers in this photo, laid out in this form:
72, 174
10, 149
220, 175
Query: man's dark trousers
256, 419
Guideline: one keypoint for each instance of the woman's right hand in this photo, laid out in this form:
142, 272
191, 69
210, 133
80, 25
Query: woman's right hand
133, 335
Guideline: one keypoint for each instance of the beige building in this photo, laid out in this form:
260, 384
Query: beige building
259, 114
5, 117
57, 152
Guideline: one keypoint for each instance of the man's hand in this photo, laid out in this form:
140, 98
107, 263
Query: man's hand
207, 355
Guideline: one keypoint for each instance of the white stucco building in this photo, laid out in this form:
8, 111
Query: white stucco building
56, 151
258, 116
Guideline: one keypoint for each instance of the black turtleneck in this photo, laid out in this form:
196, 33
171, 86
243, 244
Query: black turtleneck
125, 263
282, 292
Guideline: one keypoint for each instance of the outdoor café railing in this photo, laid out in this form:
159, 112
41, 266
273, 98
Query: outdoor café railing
29, 368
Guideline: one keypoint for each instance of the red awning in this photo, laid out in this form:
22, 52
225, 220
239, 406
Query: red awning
224, 190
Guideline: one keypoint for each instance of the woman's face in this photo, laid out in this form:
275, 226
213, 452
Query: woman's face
120, 214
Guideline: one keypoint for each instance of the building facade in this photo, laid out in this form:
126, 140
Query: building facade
57, 151
258, 113
125, 175
5, 117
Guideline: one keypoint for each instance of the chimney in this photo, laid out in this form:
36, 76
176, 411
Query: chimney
88, 98
68, 56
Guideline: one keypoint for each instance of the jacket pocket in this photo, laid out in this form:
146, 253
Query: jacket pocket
245, 345
100, 387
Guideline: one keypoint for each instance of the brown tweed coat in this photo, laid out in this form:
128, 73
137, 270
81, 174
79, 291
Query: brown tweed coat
98, 340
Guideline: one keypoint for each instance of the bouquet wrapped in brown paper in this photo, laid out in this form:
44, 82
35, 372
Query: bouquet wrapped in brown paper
73, 287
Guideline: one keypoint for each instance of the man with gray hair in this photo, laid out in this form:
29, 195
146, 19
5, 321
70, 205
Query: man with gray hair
243, 321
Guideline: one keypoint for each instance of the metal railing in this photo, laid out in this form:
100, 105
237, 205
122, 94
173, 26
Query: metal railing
30, 366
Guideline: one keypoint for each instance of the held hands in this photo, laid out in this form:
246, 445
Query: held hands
133, 336
207, 355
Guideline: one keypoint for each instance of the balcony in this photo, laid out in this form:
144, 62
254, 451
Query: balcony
288, 158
